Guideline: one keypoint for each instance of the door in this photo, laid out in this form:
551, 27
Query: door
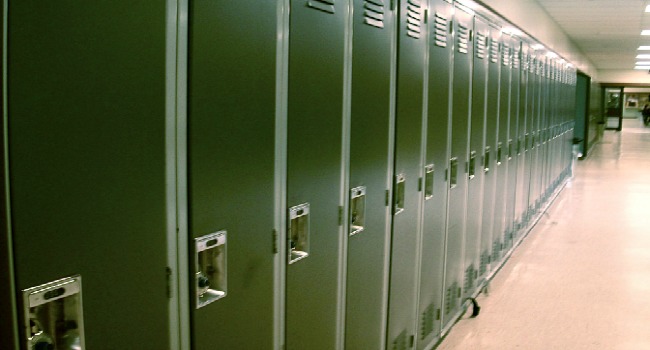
370, 174
407, 197
314, 174
87, 159
458, 164
435, 173
231, 141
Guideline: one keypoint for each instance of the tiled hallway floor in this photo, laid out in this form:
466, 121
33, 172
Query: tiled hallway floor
581, 279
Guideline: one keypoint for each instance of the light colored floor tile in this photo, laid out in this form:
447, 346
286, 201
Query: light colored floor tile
581, 279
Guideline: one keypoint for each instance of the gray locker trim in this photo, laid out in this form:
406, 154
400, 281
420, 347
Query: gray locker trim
390, 171
176, 173
11, 288
280, 224
344, 201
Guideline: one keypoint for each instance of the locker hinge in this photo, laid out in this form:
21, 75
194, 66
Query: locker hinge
275, 241
168, 273
412, 341
437, 314
387, 197
340, 215
420, 185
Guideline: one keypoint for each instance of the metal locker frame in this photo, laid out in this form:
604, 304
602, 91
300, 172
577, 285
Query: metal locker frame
513, 149
476, 174
370, 173
503, 148
521, 192
317, 129
458, 164
226, 193
492, 126
407, 197
126, 137
434, 182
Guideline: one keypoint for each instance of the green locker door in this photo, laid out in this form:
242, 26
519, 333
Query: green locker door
531, 102
87, 133
314, 174
407, 203
521, 196
435, 185
491, 152
513, 145
231, 125
458, 163
370, 174
476, 157
503, 149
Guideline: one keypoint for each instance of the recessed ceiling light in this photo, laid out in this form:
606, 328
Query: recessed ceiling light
643, 56
645, 32
643, 63
647, 8
644, 48
642, 67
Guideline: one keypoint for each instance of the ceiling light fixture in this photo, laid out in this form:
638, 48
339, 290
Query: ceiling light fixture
645, 32
643, 56
644, 48
642, 67
647, 8
643, 63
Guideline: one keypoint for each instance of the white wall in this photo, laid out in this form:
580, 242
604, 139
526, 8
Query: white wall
624, 76
530, 17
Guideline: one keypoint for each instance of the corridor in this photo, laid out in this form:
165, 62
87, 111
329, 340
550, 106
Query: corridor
581, 279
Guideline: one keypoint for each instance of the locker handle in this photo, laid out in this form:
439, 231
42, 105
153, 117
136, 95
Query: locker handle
453, 172
472, 165
428, 181
400, 189
486, 160
510, 149
357, 210
298, 233
499, 153
211, 276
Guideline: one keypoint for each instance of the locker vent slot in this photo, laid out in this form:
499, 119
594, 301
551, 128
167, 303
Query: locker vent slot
505, 53
481, 45
322, 5
400, 342
427, 321
494, 51
373, 13
470, 272
463, 39
441, 30
451, 298
496, 250
414, 19
448, 300
516, 59
484, 262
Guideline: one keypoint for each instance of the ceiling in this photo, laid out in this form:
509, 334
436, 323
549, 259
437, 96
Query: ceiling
607, 31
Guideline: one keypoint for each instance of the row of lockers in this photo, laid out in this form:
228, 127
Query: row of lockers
297, 174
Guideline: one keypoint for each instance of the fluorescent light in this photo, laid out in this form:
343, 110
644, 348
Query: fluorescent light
644, 48
646, 56
643, 63
645, 32
642, 67
647, 8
